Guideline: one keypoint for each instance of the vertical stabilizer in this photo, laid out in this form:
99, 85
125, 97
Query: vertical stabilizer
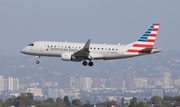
146, 41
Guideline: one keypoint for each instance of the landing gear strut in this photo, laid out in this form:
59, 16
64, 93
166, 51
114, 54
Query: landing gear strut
85, 63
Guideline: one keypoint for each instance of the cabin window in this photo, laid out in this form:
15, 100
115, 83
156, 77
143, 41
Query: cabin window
98, 48
102, 48
109, 48
116, 49
94, 48
113, 49
90, 47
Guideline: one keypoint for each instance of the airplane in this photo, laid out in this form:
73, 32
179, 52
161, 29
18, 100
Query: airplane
86, 52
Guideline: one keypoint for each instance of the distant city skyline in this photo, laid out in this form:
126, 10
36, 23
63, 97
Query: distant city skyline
87, 84
111, 22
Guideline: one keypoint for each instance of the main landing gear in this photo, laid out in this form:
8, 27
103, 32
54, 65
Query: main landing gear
37, 62
85, 63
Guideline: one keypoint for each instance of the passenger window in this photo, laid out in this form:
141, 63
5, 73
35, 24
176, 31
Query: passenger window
109, 48
102, 48
90, 47
98, 48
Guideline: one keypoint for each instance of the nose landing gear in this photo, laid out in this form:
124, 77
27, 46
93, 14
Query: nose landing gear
37, 62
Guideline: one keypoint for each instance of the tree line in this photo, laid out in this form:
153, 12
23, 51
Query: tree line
27, 100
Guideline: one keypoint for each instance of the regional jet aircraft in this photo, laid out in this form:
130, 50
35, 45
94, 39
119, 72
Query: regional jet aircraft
86, 52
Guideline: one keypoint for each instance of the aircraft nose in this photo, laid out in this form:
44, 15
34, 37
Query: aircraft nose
23, 50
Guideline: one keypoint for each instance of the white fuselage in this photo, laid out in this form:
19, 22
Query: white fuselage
86, 51
56, 49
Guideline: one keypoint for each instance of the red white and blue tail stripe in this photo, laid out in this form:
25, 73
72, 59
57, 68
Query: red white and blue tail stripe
146, 41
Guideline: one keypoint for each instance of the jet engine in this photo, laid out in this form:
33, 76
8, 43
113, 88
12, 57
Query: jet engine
68, 57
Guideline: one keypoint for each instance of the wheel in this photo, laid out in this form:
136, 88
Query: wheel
90, 63
37, 62
84, 63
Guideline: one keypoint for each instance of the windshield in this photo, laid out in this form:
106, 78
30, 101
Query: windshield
31, 44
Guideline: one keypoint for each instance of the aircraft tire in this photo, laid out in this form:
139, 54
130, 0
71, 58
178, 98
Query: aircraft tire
84, 63
37, 62
90, 63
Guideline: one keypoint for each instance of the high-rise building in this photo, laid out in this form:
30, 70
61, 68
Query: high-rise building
64, 81
1, 83
76, 82
10, 83
129, 80
5, 84
167, 80
87, 83
15, 84
140, 82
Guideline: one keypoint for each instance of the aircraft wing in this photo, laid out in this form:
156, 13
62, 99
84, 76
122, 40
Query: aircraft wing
84, 52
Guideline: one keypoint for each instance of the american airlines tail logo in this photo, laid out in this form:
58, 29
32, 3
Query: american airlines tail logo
146, 40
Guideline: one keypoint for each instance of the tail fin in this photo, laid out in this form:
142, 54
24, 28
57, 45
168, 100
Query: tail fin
146, 41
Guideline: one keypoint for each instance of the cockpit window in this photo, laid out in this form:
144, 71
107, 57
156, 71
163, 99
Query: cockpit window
31, 44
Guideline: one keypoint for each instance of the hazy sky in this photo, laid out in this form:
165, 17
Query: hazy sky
103, 21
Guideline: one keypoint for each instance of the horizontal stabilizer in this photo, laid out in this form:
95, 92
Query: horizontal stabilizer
149, 50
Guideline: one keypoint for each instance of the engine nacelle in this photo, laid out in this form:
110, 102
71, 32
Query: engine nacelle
66, 57
69, 57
